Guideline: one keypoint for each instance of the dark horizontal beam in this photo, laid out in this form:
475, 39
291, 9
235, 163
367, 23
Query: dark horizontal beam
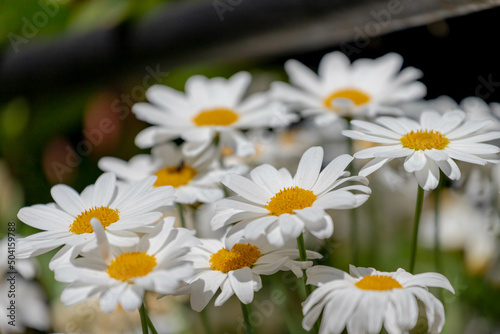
212, 31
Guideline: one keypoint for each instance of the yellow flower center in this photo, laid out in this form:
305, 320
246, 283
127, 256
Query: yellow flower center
424, 140
227, 151
216, 117
104, 214
378, 283
238, 257
174, 176
289, 199
355, 95
130, 265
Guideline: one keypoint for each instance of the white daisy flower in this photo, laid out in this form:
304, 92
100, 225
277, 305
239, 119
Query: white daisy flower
210, 109
121, 275
195, 179
350, 91
235, 268
367, 299
122, 211
429, 146
281, 207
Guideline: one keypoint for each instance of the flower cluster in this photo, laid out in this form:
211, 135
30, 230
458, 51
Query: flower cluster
135, 230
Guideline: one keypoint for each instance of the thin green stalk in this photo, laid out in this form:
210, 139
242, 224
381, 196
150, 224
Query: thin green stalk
150, 325
145, 317
205, 321
353, 212
303, 257
245, 309
416, 221
308, 288
437, 245
144, 322
181, 214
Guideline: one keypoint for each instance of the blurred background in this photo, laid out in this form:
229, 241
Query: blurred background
70, 71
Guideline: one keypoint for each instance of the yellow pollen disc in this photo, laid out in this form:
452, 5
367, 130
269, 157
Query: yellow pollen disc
238, 257
227, 151
378, 283
174, 176
104, 214
130, 265
424, 140
289, 199
356, 96
216, 117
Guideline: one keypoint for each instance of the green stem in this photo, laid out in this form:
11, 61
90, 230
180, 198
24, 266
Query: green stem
205, 321
308, 288
144, 322
303, 257
416, 221
145, 318
437, 245
353, 212
150, 324
245, 309
181, 214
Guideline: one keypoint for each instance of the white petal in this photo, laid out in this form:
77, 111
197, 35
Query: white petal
268, 178
331, 173
258, 227
449, 121
167, 97
309, 167
399, 125
415, 162
300, 75
205, 288
428, 177
154, 135
323, 274
375, 129
242, 283
371, 138
430, 279
291, 226
104, 190
77, 292
109, 299
226, 293
68, 199
436, 155
373, 166
131, 298
45, 217
246, 188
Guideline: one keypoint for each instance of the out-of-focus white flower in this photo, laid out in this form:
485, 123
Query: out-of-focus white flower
210, 109
280, 148
30, 305
195, 179
366, 299
428, 146
463, 226
281, 207
342, 89
122, 211
122, 275
235, 268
